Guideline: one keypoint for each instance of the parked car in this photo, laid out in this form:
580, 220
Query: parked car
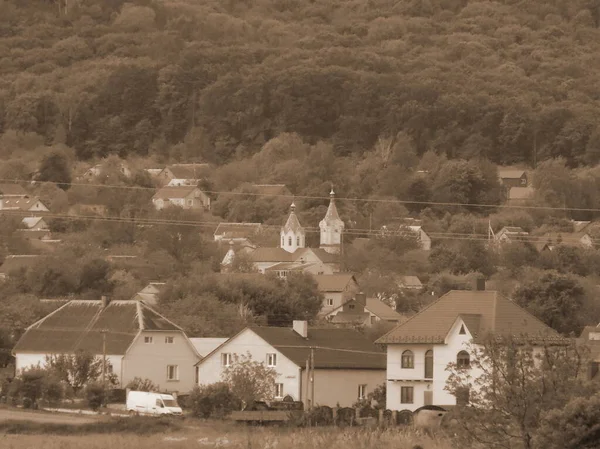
148, 403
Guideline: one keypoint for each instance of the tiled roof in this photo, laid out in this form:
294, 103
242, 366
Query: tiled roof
271, 189
497, 315
382, 310
332, 217
334, 282
510, 173
266, 254
188, 171
169, 192
350, 317
237, 230
520, 193
22, 203
12, 190
411, 282
289, 266
16, 262
340, 344
78, 325
323, 255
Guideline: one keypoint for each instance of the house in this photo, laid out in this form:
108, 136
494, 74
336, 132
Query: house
183, 174
420, 349
422, 237
15, 263
551, 240
590, 337
347, 365
149, 294
154, 172
186, 197
283, 269
237, 232
337, 289
512, 177
519, 195
363, 312
139, 342
96, 170
271, 190
25, 203
511, 234
410, 283
35, 223
205, 346
11, 191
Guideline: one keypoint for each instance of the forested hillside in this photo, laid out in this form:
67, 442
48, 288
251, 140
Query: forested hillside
514, 81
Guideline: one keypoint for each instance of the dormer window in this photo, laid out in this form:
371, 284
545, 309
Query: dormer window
463, 360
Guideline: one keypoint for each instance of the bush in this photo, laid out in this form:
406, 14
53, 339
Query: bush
32, 386
139, 384
53, 390
213, 401
95, 394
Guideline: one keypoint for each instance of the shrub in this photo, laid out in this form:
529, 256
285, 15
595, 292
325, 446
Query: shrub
139, 384
32, 386
95, 394
53, 390
213, 401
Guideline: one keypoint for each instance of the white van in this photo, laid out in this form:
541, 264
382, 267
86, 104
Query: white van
145, 403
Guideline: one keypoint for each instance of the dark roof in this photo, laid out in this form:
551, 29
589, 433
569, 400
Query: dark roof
323, 255
289, 266
292, 224
266, 254
350, 317
188, 171
381, 310
169, 192
12, 190
22, 202
334, 282
334, 347
78, 325
484, 312
511, 173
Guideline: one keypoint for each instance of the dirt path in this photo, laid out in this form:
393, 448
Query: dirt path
41, 417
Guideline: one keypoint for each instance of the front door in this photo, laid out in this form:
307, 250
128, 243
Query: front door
428, 398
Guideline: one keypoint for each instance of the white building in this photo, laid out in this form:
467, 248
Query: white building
331, 228
347, 365
420, 349
186, 197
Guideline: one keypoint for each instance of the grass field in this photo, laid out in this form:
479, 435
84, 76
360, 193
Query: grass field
219, 435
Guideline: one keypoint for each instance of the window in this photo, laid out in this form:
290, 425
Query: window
362, 391
289, 241
297, 241
172, 372
190, 202
351, 306
278, 390
406, 395
148, 340
271, 359
169, 340
282, 242
429, 364
463, 360
408, 359
462, 330
197, 375
226, 359
330, 302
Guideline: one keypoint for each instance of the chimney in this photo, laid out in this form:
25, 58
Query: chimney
361, 299
480, 285
301, 328
105, 301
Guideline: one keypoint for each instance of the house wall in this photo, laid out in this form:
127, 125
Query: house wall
38, 206
340, 386
285, 237
288, 373
28, 360
318, 268
339, 298
183, 182
425, 241
443, 354
150, 360
515, 182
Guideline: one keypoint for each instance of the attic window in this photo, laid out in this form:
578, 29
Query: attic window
462, 330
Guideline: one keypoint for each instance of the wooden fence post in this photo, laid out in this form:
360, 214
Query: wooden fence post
394, 418
381, 418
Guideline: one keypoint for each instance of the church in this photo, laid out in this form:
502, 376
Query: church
293, 255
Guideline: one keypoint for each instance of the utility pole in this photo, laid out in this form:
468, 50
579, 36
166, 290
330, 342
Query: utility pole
103, 357
312, 377
308, 404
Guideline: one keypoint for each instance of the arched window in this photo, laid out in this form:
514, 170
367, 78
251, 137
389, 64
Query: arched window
289, 241
408, 359
463, 360
429, 364
298, 241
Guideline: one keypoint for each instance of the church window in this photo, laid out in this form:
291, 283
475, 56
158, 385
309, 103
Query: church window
298, 241
289, 241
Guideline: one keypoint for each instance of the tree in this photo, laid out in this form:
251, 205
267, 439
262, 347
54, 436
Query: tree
77, 369
557, 299
249, 380
139, 384
213, 401
55, 167
572, 426
510, 383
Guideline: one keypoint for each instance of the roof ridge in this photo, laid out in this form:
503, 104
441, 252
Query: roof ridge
523, 309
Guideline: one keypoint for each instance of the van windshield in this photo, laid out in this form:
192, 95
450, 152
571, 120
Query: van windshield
170, 403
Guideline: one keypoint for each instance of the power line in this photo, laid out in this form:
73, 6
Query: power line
314, 197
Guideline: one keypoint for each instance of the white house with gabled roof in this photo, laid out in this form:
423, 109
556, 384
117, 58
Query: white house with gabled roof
420, 349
